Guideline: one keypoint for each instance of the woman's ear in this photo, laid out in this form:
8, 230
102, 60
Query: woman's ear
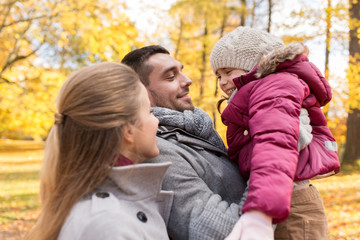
128, 133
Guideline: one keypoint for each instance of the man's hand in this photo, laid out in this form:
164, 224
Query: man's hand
252, 225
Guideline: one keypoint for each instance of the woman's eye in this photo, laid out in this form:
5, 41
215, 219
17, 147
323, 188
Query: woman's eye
228, 72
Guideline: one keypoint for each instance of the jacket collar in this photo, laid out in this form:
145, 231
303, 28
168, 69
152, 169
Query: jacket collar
292, 59
276, 60
246, 78
136, 182
281, 58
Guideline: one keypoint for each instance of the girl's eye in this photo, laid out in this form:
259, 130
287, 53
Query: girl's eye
228, 72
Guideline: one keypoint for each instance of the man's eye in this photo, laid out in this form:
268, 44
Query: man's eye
171, 77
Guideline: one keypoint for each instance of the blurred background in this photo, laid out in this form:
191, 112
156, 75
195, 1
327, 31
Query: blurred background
43, 41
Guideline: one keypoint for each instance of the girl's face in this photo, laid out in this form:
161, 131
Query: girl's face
226, 76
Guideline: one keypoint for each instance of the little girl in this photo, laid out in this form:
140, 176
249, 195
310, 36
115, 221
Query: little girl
268, 84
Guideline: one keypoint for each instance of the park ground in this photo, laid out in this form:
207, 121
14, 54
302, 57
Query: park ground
20, 163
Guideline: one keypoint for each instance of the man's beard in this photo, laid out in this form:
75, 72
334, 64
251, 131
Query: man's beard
174, 105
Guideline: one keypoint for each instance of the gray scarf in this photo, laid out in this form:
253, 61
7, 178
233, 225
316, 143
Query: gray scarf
195, 122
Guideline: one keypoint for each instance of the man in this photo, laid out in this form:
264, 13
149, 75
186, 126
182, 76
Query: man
202, 177
207, 187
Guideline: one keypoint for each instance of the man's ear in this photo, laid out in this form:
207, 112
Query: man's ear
128, 133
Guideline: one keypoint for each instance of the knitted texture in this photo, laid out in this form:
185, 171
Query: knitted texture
195, 122
214, 221
242, 48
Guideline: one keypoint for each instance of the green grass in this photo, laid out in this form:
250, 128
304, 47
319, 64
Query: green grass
20, 163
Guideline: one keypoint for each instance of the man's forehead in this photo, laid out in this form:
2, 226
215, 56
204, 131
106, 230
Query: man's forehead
163, 61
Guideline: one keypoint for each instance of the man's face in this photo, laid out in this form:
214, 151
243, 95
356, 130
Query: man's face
168, 86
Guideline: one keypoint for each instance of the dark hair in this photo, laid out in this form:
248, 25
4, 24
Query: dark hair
218, 104
137, 58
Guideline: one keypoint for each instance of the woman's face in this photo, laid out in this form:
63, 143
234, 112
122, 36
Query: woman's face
226, 76
145, 130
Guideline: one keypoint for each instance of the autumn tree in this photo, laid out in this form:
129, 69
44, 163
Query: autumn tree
198, 25
352, 149
194, 33
42, 42
323, 26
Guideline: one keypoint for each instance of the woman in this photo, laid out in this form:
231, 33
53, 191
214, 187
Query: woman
92, 186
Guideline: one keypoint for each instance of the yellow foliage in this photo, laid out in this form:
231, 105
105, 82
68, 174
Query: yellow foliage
199, 23
342, 204
353, 76
42, 42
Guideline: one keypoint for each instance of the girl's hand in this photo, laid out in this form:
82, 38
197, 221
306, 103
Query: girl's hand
252, 225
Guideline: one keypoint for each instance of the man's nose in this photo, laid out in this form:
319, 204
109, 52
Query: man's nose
185, 80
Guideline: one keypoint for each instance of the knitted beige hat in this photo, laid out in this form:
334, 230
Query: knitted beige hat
242, 48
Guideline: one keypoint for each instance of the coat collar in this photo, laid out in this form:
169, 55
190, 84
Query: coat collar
291, 59
276, 60
281, 58
136, 182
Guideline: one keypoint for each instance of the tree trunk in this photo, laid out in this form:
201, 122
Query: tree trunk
204, 59
328, 38
222, 30
178, 42
252, 14
327, 49
352, 146
243, 12
270, 15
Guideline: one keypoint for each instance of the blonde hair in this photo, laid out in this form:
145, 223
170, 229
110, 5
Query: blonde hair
95, 103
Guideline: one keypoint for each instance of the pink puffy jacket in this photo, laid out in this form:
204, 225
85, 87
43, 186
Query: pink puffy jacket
263, 129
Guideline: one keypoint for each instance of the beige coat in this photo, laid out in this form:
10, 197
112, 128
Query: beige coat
129, 205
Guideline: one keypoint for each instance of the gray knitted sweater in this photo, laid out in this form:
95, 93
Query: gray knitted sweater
207, 186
